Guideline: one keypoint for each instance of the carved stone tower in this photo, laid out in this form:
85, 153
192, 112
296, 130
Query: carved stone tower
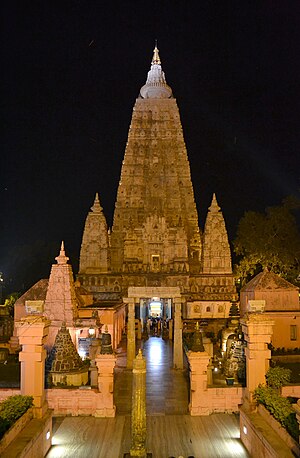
94, 248
155, 227
61, 304
216, 256
155, 239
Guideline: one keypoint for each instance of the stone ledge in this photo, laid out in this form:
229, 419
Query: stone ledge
282, 432
32, 441
15, 429
260, 439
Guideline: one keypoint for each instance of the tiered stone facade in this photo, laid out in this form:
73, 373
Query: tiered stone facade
155, 238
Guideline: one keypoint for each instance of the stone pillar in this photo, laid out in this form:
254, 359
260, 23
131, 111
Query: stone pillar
93, 350
106, 364
32, 332
130, 333
258, 331
170, 329
138, 414
198, 362
139, 329
177, 349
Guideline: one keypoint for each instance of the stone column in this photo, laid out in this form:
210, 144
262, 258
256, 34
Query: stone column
139, 329
32, 332
258, 331
198, 362
177, 348
130, 333
106, 364
170, 329
93, 350
138, 414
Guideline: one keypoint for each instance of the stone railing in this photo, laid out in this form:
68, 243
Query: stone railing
205, 400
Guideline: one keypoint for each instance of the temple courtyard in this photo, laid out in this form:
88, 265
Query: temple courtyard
171, 431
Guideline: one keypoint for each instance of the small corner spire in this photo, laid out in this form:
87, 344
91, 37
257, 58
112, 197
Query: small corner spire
156, 59
62, 258
96, 208
214, 207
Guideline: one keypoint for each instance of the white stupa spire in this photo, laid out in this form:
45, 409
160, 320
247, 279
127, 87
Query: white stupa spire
156, 86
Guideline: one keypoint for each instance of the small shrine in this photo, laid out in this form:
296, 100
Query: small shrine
64, 365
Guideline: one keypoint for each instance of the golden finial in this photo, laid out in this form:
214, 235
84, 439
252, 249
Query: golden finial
156, 59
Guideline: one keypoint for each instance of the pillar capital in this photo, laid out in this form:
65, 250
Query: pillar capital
257, 325
129, 300
32, 327
105, 363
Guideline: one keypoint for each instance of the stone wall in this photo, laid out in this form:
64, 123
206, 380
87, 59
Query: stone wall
77, 402
291, 391
227, 399
6, 392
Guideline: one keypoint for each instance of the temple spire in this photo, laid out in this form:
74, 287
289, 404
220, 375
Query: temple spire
62, 258
96, 208
156, 86
214, 207
156, 58
216, 256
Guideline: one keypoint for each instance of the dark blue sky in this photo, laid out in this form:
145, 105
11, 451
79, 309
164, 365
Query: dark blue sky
70, 74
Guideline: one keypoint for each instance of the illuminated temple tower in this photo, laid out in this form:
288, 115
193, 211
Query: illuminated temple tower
155, 238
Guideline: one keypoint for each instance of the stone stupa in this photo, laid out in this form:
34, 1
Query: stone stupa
64, 365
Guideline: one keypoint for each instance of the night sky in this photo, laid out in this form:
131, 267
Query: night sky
71, 71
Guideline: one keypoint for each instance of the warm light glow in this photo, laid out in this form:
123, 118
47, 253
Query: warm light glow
55, 440
155, 354
82, 354
236, 447
58, 451
92, 331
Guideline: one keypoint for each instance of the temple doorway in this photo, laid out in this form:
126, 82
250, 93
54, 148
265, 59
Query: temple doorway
154, 307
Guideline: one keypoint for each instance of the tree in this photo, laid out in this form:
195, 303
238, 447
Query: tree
10, 302
271, 240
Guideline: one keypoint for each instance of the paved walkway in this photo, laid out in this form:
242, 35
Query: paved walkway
215, 436
166, 388
171, 432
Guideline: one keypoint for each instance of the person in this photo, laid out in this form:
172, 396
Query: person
148, 325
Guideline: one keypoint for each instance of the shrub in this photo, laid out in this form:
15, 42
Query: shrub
14, 407
4, 425
278, 376
279, 407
